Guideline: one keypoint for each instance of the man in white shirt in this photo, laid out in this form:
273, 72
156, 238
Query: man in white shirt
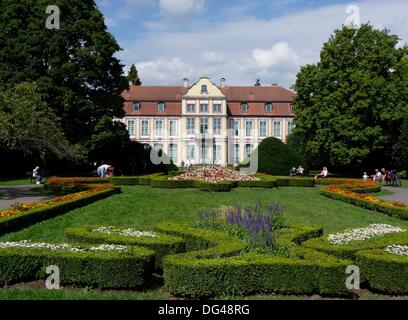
103, 170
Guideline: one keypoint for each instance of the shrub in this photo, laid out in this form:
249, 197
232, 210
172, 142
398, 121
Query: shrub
258, 184
28, 218
384, 271
110, 269
349, 250
276, 158
133, 181
215, 187
164, 182
210, 271
162, 244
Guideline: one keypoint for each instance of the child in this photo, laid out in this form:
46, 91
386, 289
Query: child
365, 176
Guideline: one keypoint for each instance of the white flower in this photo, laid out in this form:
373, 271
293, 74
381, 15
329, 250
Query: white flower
62, 246
399, 250
125, 232
360, 234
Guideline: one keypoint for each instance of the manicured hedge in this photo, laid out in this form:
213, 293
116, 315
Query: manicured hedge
394, 211
211, 271
258, 184
216, 187
163, 182
108, 269
30, 217
133, 181
162, 245
294, 182
384, 271
349, 250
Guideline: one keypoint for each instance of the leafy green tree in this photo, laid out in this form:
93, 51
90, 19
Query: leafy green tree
29, 126
133, 76
350, 104
75, 66
277, 158
401, 147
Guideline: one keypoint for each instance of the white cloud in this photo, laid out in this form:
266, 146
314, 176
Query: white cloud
180, 7
249, 48
164, 71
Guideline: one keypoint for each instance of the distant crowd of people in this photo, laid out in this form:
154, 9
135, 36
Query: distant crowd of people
381, 175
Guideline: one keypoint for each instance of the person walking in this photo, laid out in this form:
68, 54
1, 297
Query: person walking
37, 175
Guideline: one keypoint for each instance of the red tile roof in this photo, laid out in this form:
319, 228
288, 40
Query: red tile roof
149, 96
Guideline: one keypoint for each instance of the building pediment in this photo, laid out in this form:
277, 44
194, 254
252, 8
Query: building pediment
204, 89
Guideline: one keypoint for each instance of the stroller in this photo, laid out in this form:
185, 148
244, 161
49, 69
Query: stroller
392, 179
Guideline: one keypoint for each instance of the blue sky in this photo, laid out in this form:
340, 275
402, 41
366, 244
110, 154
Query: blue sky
240, 40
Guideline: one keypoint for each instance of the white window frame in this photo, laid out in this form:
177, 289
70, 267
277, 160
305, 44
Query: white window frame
189, 105
133, 106
155, 128
252, 129
217, 131
237, 130
260, 128
201, 123
275, 126
161, 104
251, 147
190, 152
133, 133
218, 105
190, 133
175, 127
148, 128
290, 126
173, 154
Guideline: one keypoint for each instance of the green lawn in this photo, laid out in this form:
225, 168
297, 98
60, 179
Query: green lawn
143, 207
405, 183
14, 182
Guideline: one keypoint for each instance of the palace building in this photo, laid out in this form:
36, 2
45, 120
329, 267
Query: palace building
207, 124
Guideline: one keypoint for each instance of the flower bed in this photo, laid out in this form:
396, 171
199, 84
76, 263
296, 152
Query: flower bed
104, 266
23, 215
161, 244
214, 174
361, 234
357, 192
218, 266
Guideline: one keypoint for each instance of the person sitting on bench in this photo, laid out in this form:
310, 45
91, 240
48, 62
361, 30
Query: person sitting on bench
323, 174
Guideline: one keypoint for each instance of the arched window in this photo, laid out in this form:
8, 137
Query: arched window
136, 106
268, 107
244, 107
161, 107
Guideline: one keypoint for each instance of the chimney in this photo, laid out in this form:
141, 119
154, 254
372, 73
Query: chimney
274, 84
185, 83
222, 83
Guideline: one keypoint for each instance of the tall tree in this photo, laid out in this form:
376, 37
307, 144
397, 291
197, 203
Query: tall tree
350, 104
133, 76
29, 126
74, 66
401, 147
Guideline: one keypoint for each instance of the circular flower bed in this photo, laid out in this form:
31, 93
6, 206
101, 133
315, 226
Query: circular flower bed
214, 174
360, 234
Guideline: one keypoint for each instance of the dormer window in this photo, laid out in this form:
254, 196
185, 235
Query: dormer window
204, 89
244, 107
136, 106
268, 107
161, 107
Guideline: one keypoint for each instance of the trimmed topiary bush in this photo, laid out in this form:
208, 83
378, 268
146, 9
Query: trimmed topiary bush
384, 271
128, 269
215, 187
276, 158
161, 244
218, 266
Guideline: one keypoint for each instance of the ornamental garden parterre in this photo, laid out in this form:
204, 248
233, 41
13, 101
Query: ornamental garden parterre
233, 250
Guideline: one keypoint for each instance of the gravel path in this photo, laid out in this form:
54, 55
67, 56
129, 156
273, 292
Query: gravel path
400, 194
21, 194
